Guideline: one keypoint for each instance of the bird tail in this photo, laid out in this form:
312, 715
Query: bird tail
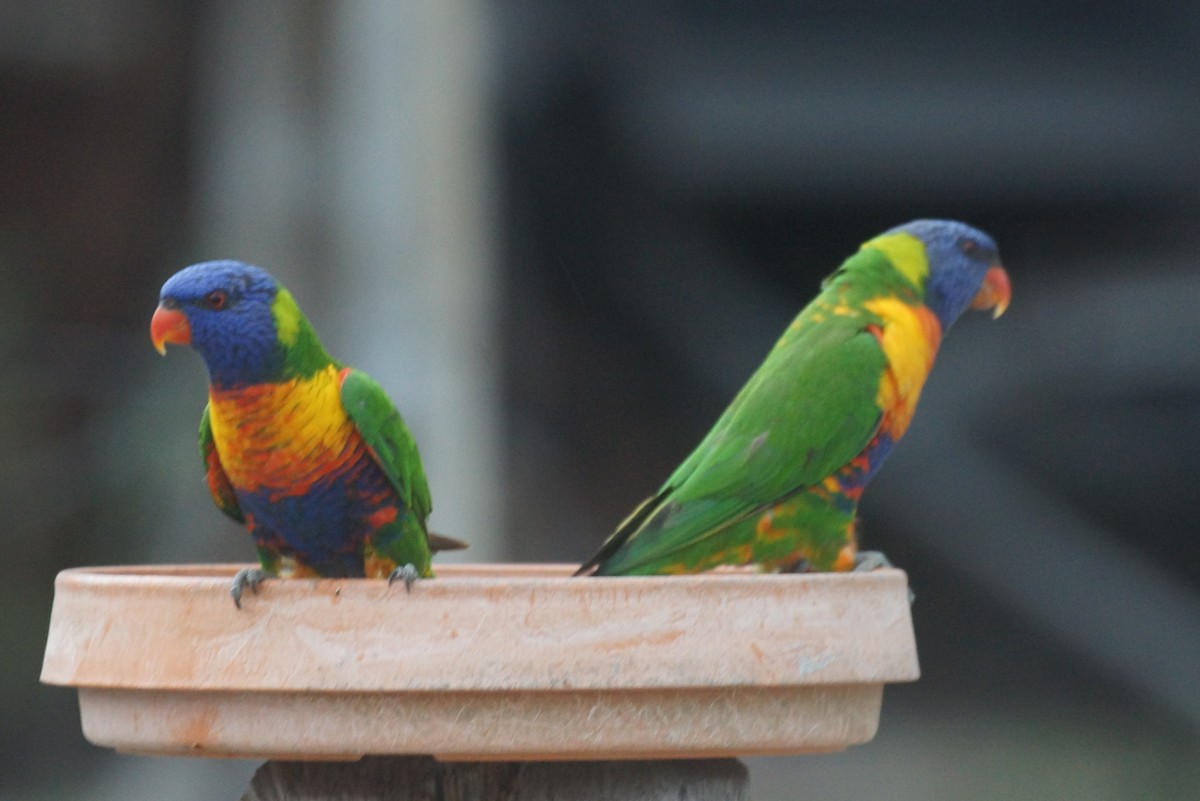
627, 528
440, 542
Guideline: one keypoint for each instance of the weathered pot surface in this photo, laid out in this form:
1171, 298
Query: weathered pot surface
484, 662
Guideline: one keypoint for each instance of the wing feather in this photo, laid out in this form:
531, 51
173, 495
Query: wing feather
388, 440
809, 409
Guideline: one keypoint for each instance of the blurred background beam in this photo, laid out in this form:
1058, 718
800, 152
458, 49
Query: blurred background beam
258, 167
410, 197
344, 148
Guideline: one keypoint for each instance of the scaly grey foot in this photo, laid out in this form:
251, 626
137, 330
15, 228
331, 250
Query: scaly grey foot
408, 573
870, 560
874, 560
247, 577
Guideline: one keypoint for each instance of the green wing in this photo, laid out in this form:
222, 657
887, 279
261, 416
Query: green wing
392, 446
218, 483
809, 409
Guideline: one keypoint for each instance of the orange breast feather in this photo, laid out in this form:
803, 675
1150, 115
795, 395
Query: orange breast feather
909, 336
283, 437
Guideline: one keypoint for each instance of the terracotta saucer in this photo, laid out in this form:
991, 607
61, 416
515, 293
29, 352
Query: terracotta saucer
485, 662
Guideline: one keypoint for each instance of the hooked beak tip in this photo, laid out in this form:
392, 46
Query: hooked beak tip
169, 326
995, 293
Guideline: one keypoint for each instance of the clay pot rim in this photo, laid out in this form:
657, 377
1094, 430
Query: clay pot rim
486, 661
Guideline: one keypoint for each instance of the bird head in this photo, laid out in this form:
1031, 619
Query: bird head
231, 314
958, 269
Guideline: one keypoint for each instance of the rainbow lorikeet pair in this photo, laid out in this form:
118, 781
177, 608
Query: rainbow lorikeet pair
316, 461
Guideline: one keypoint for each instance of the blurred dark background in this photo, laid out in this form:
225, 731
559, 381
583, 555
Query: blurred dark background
562, 235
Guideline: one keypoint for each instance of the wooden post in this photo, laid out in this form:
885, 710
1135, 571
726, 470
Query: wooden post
422, 778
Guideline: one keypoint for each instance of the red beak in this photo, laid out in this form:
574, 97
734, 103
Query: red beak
995, 293
169, 325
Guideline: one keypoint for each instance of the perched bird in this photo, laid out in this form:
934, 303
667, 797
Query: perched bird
777, 481
311, 455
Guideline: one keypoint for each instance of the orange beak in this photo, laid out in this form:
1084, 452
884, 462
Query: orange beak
169, 325
995, 293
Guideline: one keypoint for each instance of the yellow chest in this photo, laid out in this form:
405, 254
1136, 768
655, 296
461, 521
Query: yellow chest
282, 436
909, 336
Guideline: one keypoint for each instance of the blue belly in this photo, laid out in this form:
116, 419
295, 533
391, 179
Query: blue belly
324, 529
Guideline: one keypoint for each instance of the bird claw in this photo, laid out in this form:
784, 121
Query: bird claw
870, 560
247, 577
408, 573
874, 560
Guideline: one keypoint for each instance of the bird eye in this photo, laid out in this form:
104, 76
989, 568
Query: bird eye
216, 300
969, 247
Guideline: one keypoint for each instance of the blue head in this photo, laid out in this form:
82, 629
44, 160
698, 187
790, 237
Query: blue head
236, 316
957, 266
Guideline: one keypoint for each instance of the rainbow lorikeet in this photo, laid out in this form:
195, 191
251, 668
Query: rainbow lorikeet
311, 455
777, 481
